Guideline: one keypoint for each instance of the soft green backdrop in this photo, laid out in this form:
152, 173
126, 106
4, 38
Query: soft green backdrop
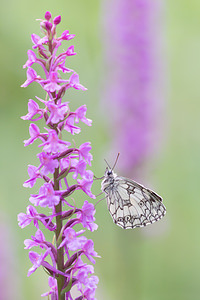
151, 264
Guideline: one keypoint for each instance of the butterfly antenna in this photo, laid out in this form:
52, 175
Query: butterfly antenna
116, 161
107, 163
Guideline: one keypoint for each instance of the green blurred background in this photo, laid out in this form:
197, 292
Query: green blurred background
143, 264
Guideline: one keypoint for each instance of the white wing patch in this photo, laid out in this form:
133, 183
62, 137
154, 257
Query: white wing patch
130, 204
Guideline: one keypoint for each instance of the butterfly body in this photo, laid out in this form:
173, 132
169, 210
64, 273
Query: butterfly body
129, 203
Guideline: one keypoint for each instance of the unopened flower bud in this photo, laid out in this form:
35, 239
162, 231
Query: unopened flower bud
47, 15
57, 20
61, 92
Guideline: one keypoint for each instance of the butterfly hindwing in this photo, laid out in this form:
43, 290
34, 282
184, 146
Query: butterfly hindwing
131, 204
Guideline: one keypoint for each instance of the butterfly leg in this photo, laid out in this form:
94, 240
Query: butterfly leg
97, 178
99, 200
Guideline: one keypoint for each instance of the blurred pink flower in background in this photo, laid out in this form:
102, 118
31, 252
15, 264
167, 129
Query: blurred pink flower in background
134, 80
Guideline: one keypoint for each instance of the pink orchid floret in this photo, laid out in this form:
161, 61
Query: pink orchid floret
53, 289
83, 273
33, 109
38, 42
57, 112
80, 115
61, 66
74, 82
46, 197
69, 163
88, 250
31, 215
61, 60
48, 164
84, 150
34, 133
66, 36
70, 51
72, 239
31, 77
37, 240
32, 58
37, 260
70, 127
80, 168
53, 143
86, 216
33, 173
52, 83
86, 183
89, 293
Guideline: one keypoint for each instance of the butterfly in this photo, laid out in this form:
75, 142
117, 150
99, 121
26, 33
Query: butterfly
130, 204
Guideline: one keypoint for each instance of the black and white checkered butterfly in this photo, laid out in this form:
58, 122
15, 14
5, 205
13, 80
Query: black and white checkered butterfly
129, 203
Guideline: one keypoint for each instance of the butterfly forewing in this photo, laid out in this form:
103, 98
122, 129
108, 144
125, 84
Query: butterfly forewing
129, 203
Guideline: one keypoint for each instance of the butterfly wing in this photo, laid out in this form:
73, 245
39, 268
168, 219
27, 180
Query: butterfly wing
132, 205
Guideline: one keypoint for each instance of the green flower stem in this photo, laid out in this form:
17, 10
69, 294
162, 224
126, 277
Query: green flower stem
60, 252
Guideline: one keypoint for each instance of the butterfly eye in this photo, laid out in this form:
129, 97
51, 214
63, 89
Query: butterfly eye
109, 172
